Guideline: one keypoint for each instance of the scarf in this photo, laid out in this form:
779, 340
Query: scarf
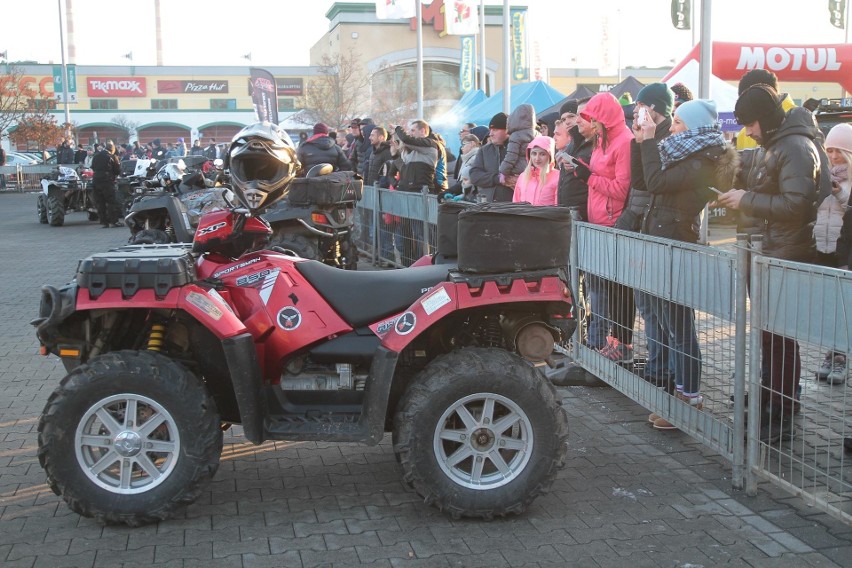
678, 146
839, 173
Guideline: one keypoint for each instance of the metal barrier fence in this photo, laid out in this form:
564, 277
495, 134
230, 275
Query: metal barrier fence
23, 178
402, 223
711, 301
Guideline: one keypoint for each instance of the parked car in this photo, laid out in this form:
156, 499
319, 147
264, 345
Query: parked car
19, 159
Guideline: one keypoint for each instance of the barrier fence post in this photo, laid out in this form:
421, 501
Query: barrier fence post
754, 375
573, 259
740, 360
374, 232
424, 220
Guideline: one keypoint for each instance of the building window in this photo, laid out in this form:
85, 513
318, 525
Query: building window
41, 104
223, 104
164, 104
287, 104
398, 83
104, 104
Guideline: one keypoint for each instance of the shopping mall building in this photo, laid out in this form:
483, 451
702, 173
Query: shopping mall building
214, 102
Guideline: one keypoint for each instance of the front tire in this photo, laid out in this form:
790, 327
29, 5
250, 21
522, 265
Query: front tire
55, 211
480, 433
129, 438
41, 208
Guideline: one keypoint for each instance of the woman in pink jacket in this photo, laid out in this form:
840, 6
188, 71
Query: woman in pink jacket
608, 173
537, 184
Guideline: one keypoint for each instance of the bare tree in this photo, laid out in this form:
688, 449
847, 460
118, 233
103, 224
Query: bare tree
15, 98
340, 92
125, 125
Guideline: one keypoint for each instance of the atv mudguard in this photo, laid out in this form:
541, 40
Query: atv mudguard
168, 204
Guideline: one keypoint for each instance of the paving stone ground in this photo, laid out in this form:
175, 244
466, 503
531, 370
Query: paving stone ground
628, 496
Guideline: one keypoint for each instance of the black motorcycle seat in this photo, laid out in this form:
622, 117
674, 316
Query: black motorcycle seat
363, 298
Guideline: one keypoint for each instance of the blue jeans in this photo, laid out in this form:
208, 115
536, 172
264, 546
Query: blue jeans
599, 317
659, 361
678, 324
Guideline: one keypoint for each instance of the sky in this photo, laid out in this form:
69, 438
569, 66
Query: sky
221, 32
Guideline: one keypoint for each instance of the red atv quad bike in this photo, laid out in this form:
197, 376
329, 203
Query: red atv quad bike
166, 345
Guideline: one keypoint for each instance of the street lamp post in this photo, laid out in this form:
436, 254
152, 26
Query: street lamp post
64, 71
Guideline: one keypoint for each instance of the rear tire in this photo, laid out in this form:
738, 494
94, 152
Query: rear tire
150, 237
299, 245
41, 208
480, 433
129, 469
55, 211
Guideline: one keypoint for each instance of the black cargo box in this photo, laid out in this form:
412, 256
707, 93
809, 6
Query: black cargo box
513, 237
448, 227
135, 267
333, 188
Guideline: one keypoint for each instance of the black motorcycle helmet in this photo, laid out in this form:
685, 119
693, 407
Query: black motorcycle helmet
262, 162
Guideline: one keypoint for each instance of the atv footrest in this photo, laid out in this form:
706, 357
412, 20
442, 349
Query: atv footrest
337, 426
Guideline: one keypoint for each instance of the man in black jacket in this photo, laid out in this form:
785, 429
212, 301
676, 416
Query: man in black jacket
105, 169
380, 154
485, 169
780, 201
320, 149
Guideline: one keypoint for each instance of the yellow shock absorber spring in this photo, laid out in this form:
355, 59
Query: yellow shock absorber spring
155, 338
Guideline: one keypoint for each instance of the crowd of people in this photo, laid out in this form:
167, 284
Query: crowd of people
649, 166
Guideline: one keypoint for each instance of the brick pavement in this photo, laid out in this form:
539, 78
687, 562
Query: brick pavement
629, 495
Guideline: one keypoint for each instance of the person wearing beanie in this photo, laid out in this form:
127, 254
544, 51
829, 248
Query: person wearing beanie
677, 173
657, 97
781, 186
697, 113
485, 166
759, 77
537, 184
653, 102
833, 231
321, 149
569, 106
575, 140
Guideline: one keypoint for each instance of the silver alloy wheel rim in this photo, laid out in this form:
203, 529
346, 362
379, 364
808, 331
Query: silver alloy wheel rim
483, 441
127, 444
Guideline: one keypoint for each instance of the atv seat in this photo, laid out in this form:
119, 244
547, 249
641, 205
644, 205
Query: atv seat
362, 298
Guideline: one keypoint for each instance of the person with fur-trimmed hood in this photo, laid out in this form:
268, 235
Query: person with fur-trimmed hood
678, 174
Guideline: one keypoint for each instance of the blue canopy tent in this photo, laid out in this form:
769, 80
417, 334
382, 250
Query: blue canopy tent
449, 123
537, 93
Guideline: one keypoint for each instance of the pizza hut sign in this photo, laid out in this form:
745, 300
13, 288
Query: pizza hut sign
177, 87
116, 87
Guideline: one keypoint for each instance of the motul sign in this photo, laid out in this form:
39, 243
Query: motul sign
116, 87
806, 63
792, 58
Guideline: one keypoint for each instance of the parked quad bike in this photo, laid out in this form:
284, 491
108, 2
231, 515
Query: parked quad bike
167, 207
316, 220
166, 345
62, 191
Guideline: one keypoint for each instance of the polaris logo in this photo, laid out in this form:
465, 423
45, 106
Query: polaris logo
108, 86
789, 58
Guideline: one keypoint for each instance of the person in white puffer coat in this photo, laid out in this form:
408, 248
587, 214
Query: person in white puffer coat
832, 237
830, 212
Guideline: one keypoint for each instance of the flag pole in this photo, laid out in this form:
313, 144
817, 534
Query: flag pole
482, 75
705, 64
420, 111
64, 71
507, 59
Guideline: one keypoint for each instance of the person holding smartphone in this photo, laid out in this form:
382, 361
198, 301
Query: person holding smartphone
678, 172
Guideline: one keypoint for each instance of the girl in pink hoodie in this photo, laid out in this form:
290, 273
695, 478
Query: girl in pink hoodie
537, 184
608, 173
